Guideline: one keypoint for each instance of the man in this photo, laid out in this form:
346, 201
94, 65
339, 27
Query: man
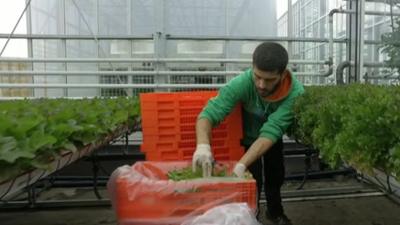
267, 92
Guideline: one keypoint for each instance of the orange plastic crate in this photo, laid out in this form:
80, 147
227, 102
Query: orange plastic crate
219, 138
179, 109
179, 146
219, 153
141, 194
172, 100
177, 129
169, 119
187, 136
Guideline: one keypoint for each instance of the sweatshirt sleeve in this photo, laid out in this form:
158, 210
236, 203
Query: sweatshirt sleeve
228, 97
281, 119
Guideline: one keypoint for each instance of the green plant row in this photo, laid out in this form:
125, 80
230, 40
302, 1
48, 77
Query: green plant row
358, 124
34, 131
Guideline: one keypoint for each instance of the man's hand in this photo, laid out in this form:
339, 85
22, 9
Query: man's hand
239, 170
204, 158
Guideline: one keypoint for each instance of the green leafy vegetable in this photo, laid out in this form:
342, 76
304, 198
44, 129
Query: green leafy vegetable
188, 174
33, 132
358, 124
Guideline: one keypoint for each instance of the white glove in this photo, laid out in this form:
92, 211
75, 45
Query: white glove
239, 170
204, 158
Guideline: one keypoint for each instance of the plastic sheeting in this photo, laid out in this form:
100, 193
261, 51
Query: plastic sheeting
228, 214
142, 194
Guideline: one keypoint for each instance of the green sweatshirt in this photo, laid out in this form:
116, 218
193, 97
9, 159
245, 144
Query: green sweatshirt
261, 117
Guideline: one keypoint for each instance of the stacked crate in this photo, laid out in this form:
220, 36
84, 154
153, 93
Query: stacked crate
168, 126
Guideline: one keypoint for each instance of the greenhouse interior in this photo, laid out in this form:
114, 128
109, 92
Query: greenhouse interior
167, 112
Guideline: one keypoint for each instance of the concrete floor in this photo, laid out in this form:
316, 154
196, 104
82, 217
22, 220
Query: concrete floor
357, 211
375, 210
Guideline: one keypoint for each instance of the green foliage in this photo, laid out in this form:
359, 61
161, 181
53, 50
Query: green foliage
33, 132
391, 46
358, 123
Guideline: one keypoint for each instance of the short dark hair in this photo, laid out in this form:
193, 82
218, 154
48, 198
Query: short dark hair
271, 57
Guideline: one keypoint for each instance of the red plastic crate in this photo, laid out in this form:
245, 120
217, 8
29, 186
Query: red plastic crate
172, 100
177, 116
169, 119
141, 194
219, 153
179, 109
160, 146
182, 144
219, 138
232, 124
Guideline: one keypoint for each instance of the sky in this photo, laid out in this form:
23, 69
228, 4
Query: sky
10, 10
281, 7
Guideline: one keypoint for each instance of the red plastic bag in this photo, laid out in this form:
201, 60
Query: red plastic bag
142, 194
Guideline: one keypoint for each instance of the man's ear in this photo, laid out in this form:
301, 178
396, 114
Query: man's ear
284, 74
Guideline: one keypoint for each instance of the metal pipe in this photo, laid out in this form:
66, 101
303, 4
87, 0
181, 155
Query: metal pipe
78, 37
91, 85
339, 71
327, 191
51, 204
320, 174
140, 73
380, 13
330, 23
374, 64
290, 27
237, 38
144, 73
117, 73
328, 72
80, 183
360, 40
314, 198
324, 74
131, 37
372, 13
343, 65
132, 60
371, 64
74, 177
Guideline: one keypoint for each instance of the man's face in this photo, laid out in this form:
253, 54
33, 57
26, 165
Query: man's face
266, 82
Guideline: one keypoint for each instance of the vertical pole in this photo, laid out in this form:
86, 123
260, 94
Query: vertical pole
30, 44
159, 41
130, 42
351, 46
63, 46
360, 52
290, 28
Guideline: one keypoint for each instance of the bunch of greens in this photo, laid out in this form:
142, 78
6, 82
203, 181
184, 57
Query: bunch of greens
187, 173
